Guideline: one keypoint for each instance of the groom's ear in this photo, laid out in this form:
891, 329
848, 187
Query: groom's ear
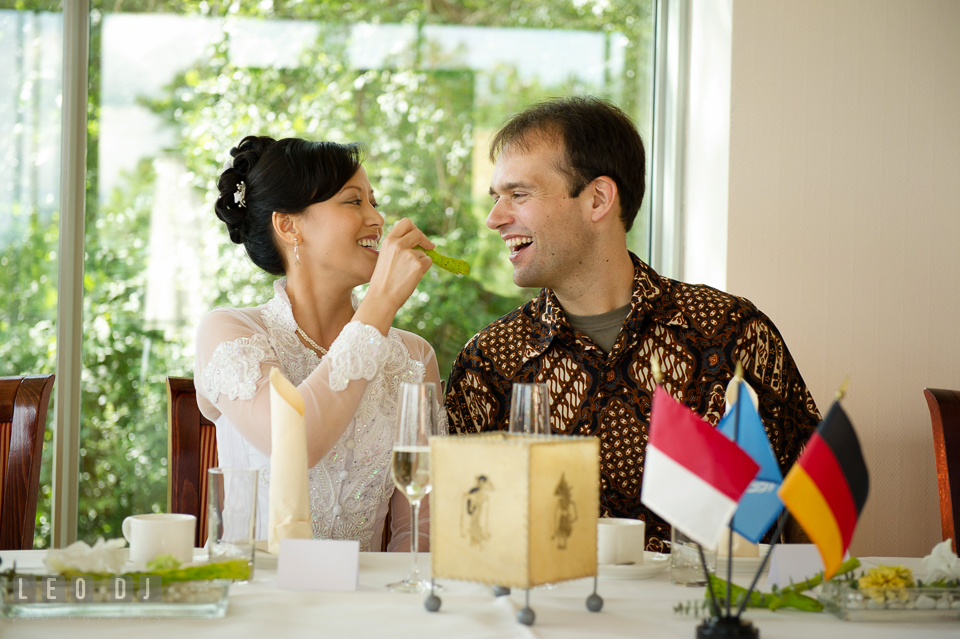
604, 198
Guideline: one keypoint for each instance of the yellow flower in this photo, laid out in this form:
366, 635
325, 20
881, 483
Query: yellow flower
885, 583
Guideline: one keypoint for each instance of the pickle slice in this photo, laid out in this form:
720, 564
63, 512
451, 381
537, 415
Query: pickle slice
452, 264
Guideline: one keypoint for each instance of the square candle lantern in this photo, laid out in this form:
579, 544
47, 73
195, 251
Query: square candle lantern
514, 510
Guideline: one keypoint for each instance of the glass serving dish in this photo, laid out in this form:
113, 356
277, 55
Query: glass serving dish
890, 604
205, 599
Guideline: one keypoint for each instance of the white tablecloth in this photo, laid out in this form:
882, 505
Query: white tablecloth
632, 609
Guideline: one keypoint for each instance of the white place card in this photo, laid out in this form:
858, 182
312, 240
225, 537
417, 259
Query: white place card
318, 564
793, 563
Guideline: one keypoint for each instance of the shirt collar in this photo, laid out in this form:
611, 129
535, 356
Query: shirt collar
649, 300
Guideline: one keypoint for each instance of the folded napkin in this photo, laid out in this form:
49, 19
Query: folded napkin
289, 490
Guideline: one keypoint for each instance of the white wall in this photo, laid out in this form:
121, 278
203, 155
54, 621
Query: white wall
844, 221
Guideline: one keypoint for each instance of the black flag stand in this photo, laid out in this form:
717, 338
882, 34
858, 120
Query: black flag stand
732, 625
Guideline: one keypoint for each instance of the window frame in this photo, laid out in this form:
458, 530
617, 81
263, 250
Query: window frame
73, 162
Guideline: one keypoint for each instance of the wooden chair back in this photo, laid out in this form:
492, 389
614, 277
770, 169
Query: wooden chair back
191, 451
945, 414
23, 420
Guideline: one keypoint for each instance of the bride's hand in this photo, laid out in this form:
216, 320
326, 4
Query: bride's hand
400, 266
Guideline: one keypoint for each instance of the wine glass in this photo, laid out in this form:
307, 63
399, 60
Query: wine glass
410, 465
530, 410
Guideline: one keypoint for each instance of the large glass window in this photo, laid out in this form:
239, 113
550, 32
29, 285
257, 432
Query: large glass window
175, 84
31, 66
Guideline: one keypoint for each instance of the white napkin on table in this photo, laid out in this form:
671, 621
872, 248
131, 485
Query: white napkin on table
289, 489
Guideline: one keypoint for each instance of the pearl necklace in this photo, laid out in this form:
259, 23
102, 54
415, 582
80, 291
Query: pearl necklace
311, 343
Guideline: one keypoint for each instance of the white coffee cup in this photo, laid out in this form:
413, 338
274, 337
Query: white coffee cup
160, 534
620, 541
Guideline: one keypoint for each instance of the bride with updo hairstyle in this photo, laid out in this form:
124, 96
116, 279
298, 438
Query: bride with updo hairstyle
306, 210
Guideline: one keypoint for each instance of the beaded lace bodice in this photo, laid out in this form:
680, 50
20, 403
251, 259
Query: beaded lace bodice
348, 486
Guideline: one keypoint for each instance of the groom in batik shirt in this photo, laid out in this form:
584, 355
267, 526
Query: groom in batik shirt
568, 183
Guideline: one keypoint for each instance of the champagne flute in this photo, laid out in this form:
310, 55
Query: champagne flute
530, 410
410, 465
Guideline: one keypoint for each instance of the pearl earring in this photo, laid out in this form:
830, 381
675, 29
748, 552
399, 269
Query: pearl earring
296, 253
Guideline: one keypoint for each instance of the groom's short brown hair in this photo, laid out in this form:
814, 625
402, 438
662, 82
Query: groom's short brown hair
598, 139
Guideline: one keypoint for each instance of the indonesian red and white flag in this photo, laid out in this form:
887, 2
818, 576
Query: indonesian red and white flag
693, 476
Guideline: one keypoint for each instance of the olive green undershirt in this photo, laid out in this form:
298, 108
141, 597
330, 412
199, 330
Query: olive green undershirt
602, 329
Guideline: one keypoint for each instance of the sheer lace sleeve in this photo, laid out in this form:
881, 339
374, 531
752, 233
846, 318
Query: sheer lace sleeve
358, 353
234, 368
233, 363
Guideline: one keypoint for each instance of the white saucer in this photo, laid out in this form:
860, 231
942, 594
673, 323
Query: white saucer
744, 564
653, 564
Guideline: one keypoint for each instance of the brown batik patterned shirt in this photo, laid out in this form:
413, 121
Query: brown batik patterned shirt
698, 334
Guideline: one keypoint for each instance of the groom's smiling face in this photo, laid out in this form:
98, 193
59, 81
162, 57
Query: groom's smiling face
541, 224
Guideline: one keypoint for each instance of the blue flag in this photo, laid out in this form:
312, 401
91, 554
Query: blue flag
760, 505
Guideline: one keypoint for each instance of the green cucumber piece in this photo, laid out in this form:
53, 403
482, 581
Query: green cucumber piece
452, 264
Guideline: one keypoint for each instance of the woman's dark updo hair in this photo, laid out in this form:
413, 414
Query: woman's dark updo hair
285, 176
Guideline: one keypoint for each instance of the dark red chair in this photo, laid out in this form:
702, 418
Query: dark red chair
191, 451
23, 420
945, 414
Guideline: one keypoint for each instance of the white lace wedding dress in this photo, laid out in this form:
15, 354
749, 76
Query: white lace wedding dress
354, 390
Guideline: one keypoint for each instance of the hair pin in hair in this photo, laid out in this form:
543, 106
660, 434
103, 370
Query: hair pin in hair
240, 197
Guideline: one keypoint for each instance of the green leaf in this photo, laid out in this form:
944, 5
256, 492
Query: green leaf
737, 593
796, 600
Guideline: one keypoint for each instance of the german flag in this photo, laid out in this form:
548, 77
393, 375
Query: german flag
827, 487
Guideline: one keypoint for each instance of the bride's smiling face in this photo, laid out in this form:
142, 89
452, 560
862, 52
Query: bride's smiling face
341, 235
